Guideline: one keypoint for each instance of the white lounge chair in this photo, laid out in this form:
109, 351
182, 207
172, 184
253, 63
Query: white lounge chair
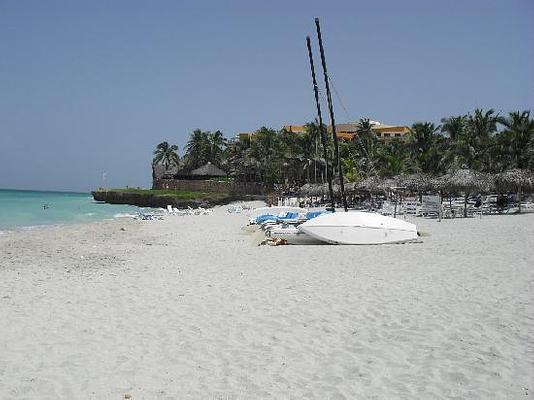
431, 207
170, 210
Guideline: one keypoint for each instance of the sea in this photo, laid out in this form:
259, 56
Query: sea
28, 209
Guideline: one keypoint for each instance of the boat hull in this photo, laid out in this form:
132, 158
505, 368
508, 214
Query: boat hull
292, 235
359, 228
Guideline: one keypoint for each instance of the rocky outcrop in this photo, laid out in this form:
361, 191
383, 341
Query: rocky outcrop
212, 186
155, 200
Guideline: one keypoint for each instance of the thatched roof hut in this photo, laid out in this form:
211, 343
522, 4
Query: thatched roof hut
388, 184
371, 184
517, 180
514, 180
418, 182
465, 180
375, 184
313, 189
208, 171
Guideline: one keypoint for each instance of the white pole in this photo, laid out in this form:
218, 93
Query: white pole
104, 176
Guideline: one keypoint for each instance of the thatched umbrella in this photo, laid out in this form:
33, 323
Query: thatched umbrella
305, 189
466, 181
418, 182
388, 184
313, 189
371, 184
515, 180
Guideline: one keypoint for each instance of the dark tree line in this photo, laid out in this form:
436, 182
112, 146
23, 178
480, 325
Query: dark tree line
483, 141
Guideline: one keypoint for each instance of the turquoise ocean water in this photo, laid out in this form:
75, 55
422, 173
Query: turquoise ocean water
22, 209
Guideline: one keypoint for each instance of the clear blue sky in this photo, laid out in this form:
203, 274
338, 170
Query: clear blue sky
92, 86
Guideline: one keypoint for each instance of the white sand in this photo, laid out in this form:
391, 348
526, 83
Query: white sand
187, 308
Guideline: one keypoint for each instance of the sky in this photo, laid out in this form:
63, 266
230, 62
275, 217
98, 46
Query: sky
94, 86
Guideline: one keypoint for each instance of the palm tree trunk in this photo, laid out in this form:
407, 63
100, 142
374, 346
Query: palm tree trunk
153, 176
465, 205
519, 199
315, 162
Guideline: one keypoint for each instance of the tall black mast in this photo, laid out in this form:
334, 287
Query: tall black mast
331, 110
321, 125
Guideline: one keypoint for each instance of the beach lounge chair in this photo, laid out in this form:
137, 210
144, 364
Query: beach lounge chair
411, 207
388, 208
179, 212
431, 207
170, 210
235, 208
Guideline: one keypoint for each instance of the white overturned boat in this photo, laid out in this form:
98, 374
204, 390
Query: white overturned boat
358, 227
291, 234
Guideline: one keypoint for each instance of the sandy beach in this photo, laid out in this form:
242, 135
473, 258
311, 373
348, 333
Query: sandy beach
189, 308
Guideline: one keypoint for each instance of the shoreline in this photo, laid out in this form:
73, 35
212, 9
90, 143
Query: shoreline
67, 224
189, 307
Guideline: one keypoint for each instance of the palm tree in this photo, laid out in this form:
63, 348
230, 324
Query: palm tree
198, 149
483, 124
235, 159
292, 162
454, 127
310, 146
365, 130
517, 140
365, 148
425, 143
266, 152
217, 144
166, 155
318, 134
474, 147
395, 159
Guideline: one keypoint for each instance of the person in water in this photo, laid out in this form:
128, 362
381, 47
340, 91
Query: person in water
45, 206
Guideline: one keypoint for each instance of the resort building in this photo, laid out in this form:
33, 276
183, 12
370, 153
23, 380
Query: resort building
245, 135
383, 132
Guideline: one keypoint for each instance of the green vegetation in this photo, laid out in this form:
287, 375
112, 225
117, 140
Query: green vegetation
176, 194
483, 141
204, 147
166, 155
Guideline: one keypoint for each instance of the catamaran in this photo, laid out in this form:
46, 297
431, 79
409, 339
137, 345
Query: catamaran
353, 227
358, 227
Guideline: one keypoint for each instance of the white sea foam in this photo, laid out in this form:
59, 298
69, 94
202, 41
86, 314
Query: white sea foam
123, 215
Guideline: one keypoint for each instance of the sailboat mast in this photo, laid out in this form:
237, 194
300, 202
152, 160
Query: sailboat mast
332, 119
321, 125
